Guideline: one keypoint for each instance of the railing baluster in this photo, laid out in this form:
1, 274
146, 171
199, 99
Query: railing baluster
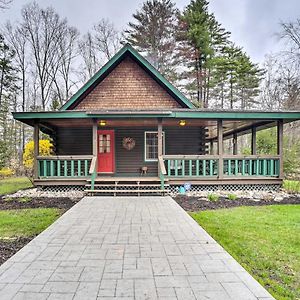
236, 167
271, 167
197, 167
190, 168
65, 168
51, 168
250, 167
204, 167
79, 167
243, 167
176, 167
211, 167
264, 167
182, 167
85, 168
169, 167
58, 168
229, 166
72, 168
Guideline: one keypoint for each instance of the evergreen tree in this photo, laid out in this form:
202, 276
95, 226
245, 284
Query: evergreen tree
200, 38
153, 33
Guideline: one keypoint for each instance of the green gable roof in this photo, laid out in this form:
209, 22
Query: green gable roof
119, 56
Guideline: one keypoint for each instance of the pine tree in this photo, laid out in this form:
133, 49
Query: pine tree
200, 38
153, 33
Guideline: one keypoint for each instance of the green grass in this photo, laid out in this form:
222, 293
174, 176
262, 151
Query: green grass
291, 186
26, 222
265, 240
11, 185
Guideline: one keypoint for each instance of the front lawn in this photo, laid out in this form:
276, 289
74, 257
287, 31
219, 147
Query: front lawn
13, 184
26, 222
265, 240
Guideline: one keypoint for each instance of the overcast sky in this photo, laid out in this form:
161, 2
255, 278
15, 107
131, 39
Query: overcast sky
253, 23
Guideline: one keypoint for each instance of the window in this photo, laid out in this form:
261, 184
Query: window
104, 143
151, 145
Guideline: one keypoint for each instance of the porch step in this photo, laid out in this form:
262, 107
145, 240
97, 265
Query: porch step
125, 179
115, 192
124, 185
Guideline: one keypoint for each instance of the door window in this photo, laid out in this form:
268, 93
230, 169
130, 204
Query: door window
104, 143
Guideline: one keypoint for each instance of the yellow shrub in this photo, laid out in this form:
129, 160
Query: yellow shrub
6, 172
45, 149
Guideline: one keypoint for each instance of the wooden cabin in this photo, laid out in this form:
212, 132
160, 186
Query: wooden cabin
129, 130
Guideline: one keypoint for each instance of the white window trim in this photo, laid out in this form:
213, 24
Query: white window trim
164, 145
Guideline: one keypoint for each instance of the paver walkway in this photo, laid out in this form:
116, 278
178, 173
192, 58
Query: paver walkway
126, 248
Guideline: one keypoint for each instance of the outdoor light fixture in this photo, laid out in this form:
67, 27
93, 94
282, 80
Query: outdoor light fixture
182, 123
102, 123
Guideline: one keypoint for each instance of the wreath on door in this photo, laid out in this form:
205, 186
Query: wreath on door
128, 143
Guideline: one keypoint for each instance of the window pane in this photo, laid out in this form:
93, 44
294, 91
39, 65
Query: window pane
151, 145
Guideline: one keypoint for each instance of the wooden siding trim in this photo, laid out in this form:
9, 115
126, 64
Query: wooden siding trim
128, 49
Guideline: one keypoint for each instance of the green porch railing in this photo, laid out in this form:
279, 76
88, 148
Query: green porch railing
191, 165
254, 166
234, 166
64, 166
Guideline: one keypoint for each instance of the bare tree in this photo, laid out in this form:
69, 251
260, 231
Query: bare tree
17, 40
107, 38
45, 30
63, 71
4, 4
88, 53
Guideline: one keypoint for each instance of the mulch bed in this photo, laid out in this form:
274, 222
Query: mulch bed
42, 202
191, 203
9, 247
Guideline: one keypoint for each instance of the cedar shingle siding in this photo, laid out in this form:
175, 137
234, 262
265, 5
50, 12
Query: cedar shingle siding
128, 87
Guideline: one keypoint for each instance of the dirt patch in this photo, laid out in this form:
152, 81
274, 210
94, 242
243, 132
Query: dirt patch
9, 248
41, 202
192, 203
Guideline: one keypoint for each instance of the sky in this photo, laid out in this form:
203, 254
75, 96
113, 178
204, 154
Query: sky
253, 23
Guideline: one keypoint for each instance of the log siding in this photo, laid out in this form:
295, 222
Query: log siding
178, 140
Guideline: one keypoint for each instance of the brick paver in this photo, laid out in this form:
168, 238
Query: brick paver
126, 248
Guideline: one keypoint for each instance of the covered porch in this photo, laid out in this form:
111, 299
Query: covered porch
189, 147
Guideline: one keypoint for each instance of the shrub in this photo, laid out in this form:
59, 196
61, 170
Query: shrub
213, 197
232, 196
45, 149
6, 172
291, 186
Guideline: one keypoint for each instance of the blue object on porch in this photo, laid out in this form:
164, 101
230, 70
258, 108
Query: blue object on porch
187, 186
182, 190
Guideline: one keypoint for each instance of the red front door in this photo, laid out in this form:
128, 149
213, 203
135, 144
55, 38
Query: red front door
106, 151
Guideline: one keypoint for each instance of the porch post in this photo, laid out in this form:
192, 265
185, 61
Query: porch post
253, 140
95, 137
36, 141
220, 148
160, 141
235, 145
280, 146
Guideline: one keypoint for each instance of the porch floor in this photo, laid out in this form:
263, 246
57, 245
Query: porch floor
126, 247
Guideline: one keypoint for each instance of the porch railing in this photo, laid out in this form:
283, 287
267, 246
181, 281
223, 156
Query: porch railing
207, 166
253, 165
64, 166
